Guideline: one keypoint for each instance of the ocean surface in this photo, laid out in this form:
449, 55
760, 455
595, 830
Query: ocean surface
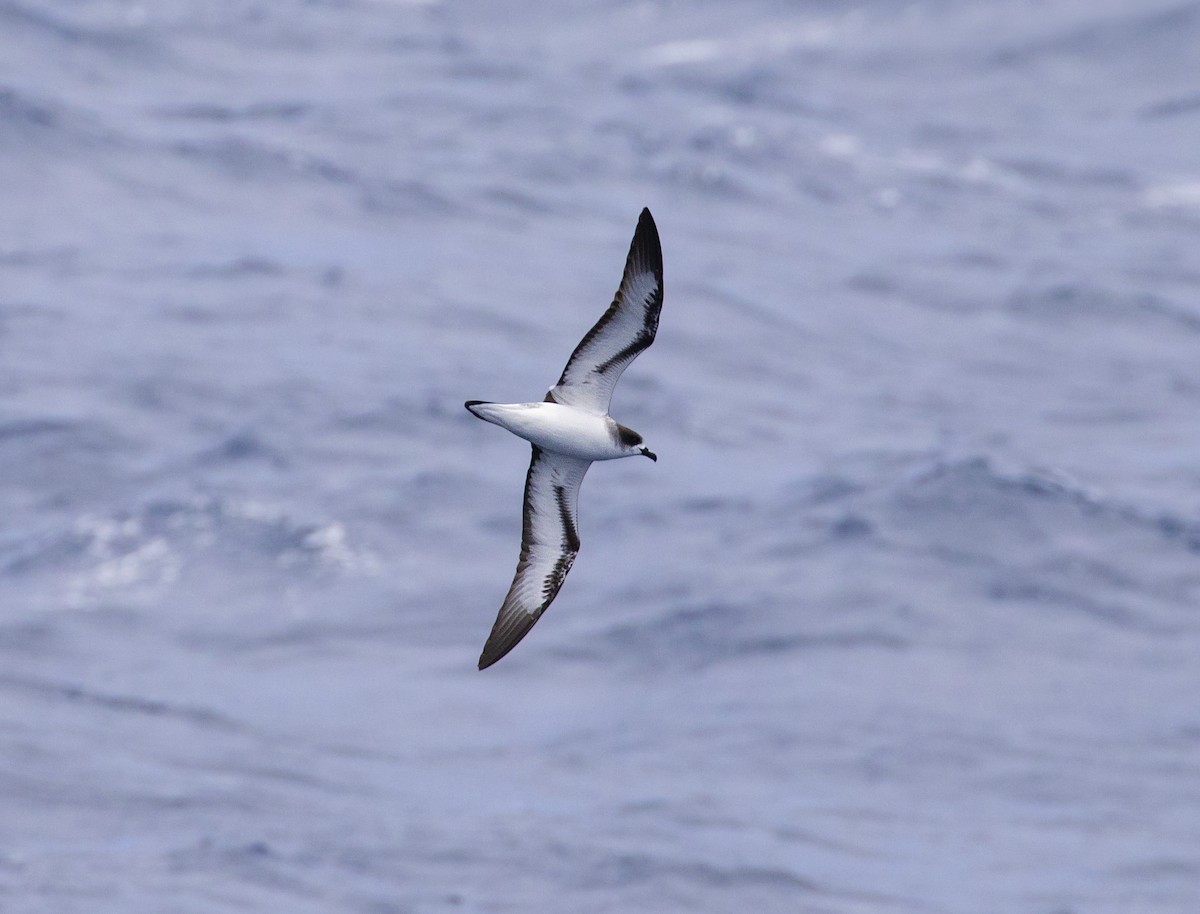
905, 619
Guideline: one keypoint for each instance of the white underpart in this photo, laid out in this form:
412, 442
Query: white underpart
558, 429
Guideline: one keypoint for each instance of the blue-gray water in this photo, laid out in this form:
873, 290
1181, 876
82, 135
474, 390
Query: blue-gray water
903, 621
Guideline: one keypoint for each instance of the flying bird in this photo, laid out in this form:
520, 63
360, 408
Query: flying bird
569, 430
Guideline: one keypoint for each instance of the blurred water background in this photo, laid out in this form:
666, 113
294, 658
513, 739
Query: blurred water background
903, 621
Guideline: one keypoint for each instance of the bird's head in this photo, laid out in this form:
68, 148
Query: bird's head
632, 442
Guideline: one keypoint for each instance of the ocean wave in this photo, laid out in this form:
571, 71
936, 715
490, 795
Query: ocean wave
139, 558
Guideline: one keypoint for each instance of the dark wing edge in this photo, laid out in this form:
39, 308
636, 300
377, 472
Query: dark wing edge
518, 613
645, 256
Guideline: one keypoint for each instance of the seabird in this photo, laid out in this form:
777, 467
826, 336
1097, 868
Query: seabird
570, 429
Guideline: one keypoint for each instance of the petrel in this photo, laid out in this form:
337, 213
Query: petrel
570, 429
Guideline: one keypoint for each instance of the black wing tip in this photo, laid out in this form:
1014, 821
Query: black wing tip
646, 245
471, 403
499, 644
486, 659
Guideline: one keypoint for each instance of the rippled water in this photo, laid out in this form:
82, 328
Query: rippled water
904, 619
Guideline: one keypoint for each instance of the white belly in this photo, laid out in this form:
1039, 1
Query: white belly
558, 428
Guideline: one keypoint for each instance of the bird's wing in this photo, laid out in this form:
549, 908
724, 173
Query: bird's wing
624, 330
549, 544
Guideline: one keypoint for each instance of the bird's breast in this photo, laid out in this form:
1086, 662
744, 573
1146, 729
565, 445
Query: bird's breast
558, 428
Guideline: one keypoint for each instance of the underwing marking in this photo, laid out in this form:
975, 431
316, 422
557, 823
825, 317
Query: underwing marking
564, 512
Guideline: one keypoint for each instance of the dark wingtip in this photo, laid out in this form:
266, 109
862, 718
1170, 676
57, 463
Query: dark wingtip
646, 245
499, 643
471, 403
646, 223
485, 661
